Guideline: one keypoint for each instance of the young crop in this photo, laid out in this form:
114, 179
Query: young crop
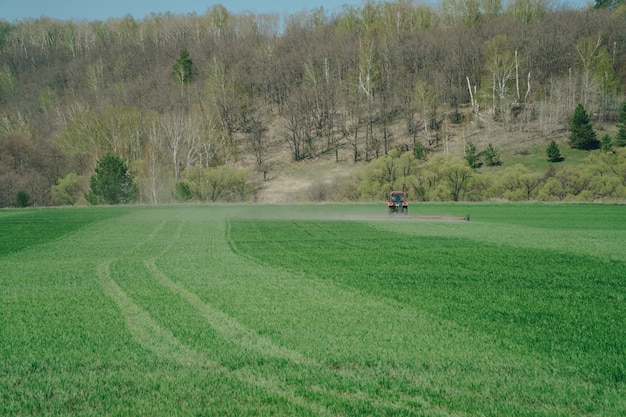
258, 310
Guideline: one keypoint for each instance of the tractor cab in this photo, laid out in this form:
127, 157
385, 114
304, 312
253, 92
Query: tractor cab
397, 203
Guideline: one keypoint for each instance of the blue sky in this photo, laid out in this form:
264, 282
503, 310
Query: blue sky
12, 10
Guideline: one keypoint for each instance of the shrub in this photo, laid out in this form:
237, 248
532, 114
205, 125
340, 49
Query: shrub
222, 183
69, 189
183, 191
553, 152
22, 199
419, 152
606, 142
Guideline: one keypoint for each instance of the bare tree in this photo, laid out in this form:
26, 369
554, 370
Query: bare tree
258, 142
152, 165
500, 65
173, 127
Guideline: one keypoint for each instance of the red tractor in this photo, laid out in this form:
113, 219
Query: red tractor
397, 203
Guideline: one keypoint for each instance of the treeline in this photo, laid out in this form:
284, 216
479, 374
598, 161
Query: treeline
179, 95
450, 178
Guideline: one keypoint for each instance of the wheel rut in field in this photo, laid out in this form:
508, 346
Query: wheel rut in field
228, 327
159, 340
144, 329
163, 344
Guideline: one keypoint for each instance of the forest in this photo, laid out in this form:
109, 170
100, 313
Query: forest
206, 106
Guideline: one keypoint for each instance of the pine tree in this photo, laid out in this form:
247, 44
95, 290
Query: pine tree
607, 4
582, 135
470, 155
492, 156
606, 142
553, 152
112, 183
183, 68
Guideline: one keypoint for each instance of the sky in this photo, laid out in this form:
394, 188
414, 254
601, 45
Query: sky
15, 10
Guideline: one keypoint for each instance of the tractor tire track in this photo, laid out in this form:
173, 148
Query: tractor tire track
235, 332
228, 327
162, 343
144, 330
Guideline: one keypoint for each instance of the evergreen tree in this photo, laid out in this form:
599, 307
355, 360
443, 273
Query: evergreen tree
182, 69
606, 142
553, 152
607, 4
492, 156
22, 199
620, 138
470, 155
582, 135
183, 191
112, 183
419, 151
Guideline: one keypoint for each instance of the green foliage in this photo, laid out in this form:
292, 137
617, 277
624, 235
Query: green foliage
5, 30
419, 152
22, 199
553, 152
183, 68
456, 178
183, 191
440, 179
24, 229
606, 143
602, 176
69, 189
46, 100
386, 317
116, 130
492, 156
582, 135
8, 81
223, 183
471, 155
606, 174
379, 177
607, 4
518, 183
112, 183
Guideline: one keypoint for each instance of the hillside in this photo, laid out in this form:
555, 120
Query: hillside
310, 179
240, 108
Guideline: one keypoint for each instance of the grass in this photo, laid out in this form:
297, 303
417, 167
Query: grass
313, 310
534, 158
23, 228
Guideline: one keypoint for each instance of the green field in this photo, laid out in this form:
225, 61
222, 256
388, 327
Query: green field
327, 310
